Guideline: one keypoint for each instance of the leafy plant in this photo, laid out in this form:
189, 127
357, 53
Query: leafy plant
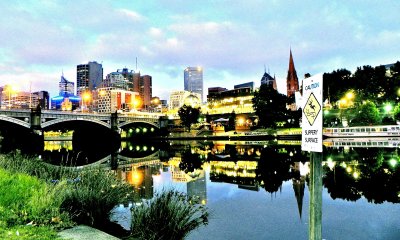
169, 215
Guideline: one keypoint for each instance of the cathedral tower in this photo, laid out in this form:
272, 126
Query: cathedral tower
292, 80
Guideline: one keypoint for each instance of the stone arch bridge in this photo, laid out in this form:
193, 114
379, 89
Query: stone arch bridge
37, 119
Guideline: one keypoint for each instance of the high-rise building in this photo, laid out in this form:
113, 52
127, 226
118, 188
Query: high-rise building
129, 77
145, 90
43, 99
65, 87
292, 80
88, 77
193, 80
116, 80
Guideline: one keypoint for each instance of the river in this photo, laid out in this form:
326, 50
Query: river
259, 189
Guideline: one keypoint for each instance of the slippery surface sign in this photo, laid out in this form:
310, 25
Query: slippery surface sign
311, 139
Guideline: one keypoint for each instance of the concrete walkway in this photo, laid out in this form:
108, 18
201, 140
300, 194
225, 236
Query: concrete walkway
82, 232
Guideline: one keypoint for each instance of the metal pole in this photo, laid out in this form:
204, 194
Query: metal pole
315, 214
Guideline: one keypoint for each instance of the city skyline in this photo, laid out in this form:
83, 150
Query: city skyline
232, 41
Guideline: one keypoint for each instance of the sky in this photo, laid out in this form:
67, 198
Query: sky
234, 41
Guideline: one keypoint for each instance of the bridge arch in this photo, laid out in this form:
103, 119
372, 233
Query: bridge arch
60, 120
138, 121
15, 120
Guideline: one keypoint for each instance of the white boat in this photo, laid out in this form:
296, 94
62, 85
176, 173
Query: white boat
363, 131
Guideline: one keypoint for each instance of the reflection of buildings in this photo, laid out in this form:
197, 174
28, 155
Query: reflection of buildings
242, 173
141, 178
198, 187
57, 145
301, 170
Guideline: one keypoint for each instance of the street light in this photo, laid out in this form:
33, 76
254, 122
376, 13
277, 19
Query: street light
85, 97
10, 89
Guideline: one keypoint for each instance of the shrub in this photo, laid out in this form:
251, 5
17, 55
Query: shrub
169, 215
87, 195
93, 195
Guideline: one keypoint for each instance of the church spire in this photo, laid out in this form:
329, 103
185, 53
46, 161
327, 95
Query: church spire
292, 80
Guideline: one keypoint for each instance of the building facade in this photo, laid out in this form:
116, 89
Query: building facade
267, 79
110, 99
88, 77
178, 98
145, 90
245, 85
65, 87
193, 80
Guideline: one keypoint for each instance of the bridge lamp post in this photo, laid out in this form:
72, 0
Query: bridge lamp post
85, 97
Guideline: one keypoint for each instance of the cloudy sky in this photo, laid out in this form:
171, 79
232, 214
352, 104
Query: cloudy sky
232, 40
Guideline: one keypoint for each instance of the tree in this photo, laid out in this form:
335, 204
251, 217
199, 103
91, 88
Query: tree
366, 114
270, 106
188, 115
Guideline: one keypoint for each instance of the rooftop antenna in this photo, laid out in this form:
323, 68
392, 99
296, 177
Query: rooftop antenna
136, 64
265, 69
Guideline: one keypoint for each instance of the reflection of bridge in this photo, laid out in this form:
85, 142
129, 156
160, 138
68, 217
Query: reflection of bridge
37, 119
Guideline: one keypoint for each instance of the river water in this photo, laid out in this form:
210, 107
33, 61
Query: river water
260, 189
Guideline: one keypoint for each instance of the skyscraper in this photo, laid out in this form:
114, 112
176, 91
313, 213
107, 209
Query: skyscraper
193, 80
65, 87
145, 89
88, 77
292, 80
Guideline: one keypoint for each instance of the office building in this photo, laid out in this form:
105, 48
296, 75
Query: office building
178, 98
65, 87
145, 90
66, 99
88, 77
245, 85
193, 80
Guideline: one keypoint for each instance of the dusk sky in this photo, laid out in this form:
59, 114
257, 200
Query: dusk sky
231, 40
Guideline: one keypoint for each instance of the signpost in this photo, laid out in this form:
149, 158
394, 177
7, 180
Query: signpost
312, 114
312, 141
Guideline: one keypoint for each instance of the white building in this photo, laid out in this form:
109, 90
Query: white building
180, 97
110, 99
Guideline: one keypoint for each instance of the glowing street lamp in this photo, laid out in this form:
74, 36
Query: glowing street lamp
388, 107
86, 96
10, 89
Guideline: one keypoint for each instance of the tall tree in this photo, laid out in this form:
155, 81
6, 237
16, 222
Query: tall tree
270, 106
188, 115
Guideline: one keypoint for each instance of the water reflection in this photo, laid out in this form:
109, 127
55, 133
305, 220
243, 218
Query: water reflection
353, 170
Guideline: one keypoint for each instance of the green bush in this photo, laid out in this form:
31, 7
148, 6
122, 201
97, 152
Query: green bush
95, 193
87, 195
169, 215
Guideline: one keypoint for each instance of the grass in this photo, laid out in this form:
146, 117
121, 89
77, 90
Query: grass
28, 233
56, 197
29, 207
169, 215
87, 196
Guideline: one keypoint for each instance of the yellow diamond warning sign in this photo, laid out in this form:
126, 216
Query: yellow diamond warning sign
312, 109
